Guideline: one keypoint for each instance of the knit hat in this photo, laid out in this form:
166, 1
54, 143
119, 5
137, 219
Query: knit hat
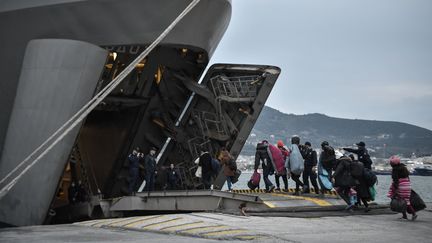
394, 160
280, 143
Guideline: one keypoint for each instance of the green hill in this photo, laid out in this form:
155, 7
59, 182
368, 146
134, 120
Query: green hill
383, 138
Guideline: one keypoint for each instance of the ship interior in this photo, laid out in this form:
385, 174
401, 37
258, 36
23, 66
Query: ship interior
160, 104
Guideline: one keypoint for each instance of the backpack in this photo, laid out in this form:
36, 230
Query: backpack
236, 176
254, 180
356, 168
369, 177
295, 162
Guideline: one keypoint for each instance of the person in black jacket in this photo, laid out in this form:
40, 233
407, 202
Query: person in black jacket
310, 162
362, 154
262, 154
205, 161
150, 169
172, 177
327, 157
342, 178
73, 193
133, 159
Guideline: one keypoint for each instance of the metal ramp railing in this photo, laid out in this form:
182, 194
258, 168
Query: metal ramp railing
197, 144
211, 125
235, 89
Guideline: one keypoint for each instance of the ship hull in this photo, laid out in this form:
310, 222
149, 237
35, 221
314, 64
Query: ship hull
103, 23
423, 171
108, 24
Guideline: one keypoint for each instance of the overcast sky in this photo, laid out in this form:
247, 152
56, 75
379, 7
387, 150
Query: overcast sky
365, 59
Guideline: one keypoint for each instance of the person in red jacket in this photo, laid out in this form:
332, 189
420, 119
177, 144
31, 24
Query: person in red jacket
285, 154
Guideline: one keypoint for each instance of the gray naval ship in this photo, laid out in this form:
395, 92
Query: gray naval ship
57, 54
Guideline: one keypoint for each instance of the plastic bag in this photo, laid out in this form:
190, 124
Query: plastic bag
372, 192
198, 172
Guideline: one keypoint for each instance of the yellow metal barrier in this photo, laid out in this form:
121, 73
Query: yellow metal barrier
257, 191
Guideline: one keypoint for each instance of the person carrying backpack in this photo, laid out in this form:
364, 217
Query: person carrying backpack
327, 157
262, 155
342, 178
295, 163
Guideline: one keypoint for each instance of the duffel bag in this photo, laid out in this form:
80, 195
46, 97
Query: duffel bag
397, 204
416, 201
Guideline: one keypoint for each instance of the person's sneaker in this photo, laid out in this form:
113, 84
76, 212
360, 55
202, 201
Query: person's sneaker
414, 217
277, 189
270, 189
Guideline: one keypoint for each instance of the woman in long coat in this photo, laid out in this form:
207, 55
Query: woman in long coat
229, 166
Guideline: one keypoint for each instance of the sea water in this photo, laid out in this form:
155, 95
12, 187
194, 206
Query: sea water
421, 184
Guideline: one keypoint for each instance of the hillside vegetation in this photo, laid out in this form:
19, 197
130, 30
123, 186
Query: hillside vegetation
383, 138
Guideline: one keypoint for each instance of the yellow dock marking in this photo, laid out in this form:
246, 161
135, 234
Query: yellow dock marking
269, 204
317, 201
247, 237
202, 229
123, 221
174, 227
104, 221
160, 223
256, 191
225, 232
132, 224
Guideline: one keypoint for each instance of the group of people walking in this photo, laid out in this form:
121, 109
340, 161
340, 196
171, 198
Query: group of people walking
296, 161
352, 177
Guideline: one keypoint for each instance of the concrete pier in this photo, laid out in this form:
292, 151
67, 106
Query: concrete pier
214, 227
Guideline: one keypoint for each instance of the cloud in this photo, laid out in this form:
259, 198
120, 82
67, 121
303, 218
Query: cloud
355, 59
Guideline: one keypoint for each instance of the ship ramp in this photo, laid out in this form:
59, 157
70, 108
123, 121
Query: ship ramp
240, 202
